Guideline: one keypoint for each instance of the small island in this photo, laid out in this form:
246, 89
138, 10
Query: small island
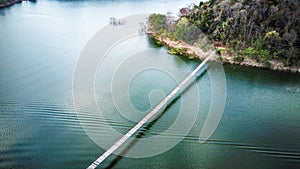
258, 33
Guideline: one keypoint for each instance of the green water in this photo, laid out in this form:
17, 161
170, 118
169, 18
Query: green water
39, 46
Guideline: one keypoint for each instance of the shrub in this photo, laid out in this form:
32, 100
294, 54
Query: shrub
250, 52
238, 58
177, 51
263, 55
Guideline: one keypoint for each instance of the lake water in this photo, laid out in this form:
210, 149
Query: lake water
39, 46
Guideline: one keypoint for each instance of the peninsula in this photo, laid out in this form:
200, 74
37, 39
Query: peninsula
258, 33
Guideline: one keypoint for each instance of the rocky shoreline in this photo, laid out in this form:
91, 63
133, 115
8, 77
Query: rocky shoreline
194, 52
9, 3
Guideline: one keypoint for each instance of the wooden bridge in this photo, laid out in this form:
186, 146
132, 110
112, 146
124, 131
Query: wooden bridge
117, 144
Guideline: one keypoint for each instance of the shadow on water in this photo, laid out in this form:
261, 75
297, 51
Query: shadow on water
147, 128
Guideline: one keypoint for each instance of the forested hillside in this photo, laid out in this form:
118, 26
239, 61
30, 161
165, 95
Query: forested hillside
256, 29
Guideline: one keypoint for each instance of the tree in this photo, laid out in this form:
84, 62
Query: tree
157, 22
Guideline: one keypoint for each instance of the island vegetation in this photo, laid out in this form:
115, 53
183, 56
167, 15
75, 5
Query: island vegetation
259, 33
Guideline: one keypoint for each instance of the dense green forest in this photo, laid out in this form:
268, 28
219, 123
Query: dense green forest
257, 29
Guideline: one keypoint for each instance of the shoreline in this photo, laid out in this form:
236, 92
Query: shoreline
193, 52
9, 3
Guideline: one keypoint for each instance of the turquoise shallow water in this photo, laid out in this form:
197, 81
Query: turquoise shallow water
39, 45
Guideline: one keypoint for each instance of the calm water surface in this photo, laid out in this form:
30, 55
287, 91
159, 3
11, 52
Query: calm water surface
39, 45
